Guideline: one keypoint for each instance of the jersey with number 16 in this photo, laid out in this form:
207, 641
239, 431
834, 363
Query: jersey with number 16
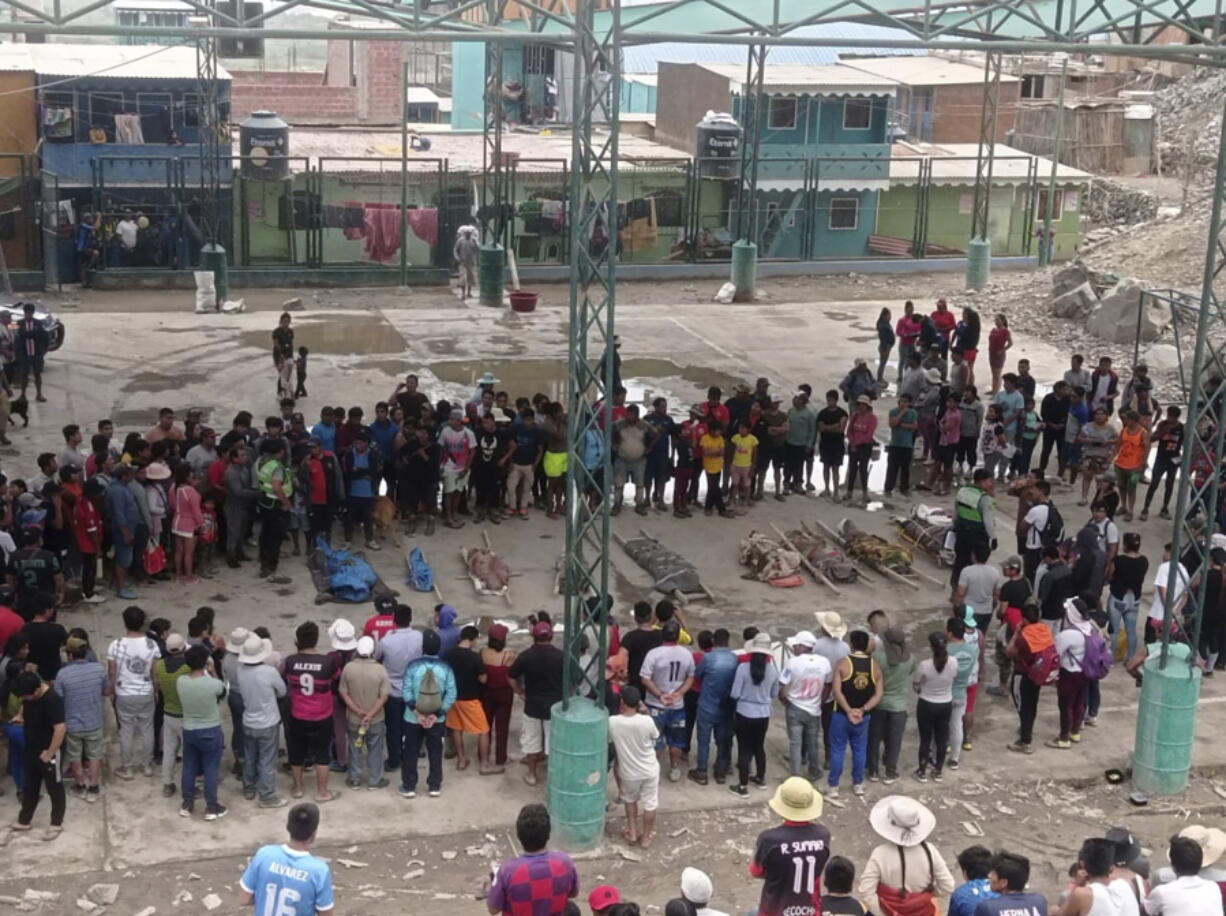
288, 882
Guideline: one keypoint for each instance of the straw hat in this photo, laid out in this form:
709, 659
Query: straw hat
255, 650
832, 623
797, 800
1211, 840
343, 635
902, 820
760, 645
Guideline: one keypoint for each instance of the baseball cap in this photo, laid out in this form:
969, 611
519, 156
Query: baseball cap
175, 642
366, 647
671, 631
1013, 562
542, 631
498, 631
803, 638
75, 642
603, 896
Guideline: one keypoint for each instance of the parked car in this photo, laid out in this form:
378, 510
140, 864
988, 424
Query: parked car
55, 328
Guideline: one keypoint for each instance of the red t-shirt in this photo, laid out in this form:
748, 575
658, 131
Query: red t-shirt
718, 412
217, 475
86, 522
379, 626
997, 338
10, 624
309, 678
945, 322
908, 330
318, 482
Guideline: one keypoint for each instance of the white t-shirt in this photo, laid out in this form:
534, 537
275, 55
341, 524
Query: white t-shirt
667, 667
1036, 518
972, 639
1108, 533
1113, 899
133, 657
806, 677
937, 686
127, 233
634, 739
458, 445
1071, 647
1156, 609
1190, 895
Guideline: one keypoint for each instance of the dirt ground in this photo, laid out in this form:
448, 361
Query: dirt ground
129, 353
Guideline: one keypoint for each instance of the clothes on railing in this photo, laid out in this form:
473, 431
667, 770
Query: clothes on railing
128, 129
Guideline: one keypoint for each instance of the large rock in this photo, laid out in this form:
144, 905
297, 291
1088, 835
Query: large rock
1068, 277
1115, 317
1163, 357
1077, 303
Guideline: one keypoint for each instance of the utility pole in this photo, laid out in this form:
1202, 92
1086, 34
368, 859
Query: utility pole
1047, 244
979, 248
213, 254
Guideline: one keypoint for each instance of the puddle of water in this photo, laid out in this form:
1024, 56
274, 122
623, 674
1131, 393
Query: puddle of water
156, 381
338, 335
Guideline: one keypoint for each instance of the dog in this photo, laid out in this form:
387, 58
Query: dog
20, 407
384, 517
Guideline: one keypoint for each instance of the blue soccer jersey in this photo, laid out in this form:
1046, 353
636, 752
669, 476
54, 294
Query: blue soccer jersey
288, 882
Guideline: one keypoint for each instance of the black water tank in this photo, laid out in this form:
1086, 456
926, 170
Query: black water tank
719, 146
263, 142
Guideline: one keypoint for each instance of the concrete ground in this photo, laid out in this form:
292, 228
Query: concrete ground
128, 354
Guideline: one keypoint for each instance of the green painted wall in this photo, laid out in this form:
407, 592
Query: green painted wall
467, 85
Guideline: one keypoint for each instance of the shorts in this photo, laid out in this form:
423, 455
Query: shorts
635, 471
182, 534
555, 464
972, 691
1126, 477
84, 746
970, 356
309, 742
945, 453
658, 467
1093, 465
34, 362
642, 792
996, 358
982, 621
454, 481
123, 552
770, 455
534, 736
671, 723
468, 716
832, 455
742, 477
1072, 454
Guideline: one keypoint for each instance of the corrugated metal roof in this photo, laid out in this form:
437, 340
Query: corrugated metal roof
110, 61
794, 79
923, 71
646, 58
954, 164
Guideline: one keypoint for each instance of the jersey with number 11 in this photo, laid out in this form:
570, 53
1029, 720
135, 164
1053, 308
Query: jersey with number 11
790, 859
288, 882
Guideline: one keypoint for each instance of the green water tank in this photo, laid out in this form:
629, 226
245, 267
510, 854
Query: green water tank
744, 270
578, 764
978, 263
1166, 723
213, 257
491, 267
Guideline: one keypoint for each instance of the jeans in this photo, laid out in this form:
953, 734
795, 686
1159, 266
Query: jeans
955, 728
1123, 612
1052, 440
202, 749
414, 736
886, 727
718, 721
260, 760
898, 467
273, 522
803, 729
858, 458
393, 715
135, 717
933, 721
904, 353
498, 703
883, 357
842, 733
172, 744
238, 744
358, 510
366, 762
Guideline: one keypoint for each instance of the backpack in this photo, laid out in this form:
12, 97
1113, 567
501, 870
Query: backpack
1096, 661
1053, 528
1044, 668
429, 694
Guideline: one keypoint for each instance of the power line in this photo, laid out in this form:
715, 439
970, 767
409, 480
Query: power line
158, 50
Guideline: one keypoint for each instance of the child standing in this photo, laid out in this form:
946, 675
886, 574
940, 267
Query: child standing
992, 443
300, 371
206, 536
744, 462
633, 736
683, 469
711, 448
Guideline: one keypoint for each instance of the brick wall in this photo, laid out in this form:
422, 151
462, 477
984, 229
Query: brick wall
956, 111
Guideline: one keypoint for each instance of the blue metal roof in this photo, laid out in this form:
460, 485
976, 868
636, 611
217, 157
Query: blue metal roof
645, 58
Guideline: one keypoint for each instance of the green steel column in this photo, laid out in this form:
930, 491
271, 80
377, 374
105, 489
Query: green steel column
577, 769
492, 264
745, 249
404, 176
1047, 244
979, 248
1166, 724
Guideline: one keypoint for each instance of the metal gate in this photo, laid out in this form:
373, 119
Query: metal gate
49, 223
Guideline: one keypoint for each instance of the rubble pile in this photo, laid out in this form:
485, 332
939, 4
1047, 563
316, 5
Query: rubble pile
1190, 120
1110, 203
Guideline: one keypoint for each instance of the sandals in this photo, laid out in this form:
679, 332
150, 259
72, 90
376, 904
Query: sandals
626, 835
330, 797
51, 833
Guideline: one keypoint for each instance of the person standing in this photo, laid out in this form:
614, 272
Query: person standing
536, 675
429, 692
276, 486
130, 669
364, 688
633, 736
889, 719
466, 251
166, 673
790, 858
201, 695
754, 688
831, 442
363, 468
667, 675
1053, 414
908, 332
934, 678
858, 688
32, 341
962, 642
497, 697
42, 718
885, 343
861, 437
81, 685
467, 715
800, 439
905, 865
286, 879
715, 712
396, 651
802, 682
261, 687
457, 444
541, 880
903, 422
974, 520
1031, 643
310, 677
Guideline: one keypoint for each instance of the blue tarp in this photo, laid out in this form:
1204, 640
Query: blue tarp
350, 578
421, 577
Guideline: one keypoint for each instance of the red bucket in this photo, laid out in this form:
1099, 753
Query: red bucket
524, 301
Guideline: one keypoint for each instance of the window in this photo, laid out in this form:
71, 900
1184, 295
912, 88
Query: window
1032, 86
189, 110
782, 114
857, 114
844, 213
1041, 205
103, 106
155, 115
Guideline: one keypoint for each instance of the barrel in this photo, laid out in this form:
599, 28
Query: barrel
978, 263
263, 143
213, 257
491, 266
578, 761
1166, 723
718, 140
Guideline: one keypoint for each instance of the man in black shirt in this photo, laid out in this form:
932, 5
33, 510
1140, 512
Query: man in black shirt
637, 643
831, 441
1013, 594
790, 858
467, 715
45, 638
42, 713
536, 675
32, 570
1053, 412
488, 461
